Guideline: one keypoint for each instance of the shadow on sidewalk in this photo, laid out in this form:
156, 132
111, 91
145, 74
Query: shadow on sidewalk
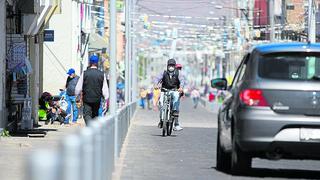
37, 132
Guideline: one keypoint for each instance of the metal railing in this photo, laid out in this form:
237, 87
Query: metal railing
89, 154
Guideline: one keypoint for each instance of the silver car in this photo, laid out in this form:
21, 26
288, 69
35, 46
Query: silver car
272, 108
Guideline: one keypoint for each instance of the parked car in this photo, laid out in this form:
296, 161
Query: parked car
272, 108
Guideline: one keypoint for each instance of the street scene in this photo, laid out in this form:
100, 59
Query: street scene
159, 89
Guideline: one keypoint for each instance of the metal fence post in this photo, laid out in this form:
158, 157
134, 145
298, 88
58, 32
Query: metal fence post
112, 140
88, 155
86, 135
116, 134
43, 164
71, 157
96, 126
104, 158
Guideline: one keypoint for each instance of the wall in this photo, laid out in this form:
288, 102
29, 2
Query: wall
295, 18
61, 54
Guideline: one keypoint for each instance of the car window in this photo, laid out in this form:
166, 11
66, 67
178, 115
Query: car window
240, 71
290, 66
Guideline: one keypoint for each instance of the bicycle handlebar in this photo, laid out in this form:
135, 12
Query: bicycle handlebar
166, 90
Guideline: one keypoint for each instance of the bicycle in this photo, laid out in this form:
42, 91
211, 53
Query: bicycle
167, 114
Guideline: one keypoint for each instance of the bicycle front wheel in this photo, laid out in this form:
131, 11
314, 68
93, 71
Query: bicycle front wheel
164, 128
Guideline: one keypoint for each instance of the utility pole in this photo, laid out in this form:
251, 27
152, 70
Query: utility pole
311, 22
271, 18
127, 57
113, 57
2, 61
134, 64
250, 19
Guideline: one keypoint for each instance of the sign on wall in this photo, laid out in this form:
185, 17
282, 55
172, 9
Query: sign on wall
48, 35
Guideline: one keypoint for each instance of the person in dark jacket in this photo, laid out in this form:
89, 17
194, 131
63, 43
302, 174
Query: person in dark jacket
71, 96
173, 81
93, 85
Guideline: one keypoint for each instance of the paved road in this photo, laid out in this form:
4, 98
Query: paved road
190, 154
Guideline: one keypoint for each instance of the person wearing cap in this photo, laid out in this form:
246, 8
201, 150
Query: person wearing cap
93, 85
171, 79
71, 96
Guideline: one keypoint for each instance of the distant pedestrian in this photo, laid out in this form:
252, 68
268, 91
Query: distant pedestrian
156, 96
71, 96
93, 85
195, 95
149, 98
143, 96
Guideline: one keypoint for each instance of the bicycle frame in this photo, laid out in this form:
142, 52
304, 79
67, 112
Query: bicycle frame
166, 107
166, 115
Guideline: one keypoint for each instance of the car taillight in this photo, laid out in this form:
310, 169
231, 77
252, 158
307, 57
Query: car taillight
253, 97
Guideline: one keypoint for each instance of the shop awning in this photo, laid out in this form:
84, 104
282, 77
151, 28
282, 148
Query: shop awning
97, 43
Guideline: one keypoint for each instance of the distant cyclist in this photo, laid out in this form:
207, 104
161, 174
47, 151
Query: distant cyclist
171, 80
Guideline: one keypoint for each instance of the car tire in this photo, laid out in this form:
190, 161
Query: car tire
223, 159
240, 161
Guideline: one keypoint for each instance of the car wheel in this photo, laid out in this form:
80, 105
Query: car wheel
223, 159
240, 161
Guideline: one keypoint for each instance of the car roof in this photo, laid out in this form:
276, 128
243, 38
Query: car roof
287, 47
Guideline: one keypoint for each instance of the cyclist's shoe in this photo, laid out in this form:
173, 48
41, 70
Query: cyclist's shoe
175, 113
160, 124
177, 128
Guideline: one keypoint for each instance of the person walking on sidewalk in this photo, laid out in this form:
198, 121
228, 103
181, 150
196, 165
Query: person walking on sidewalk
93, 85
71, 96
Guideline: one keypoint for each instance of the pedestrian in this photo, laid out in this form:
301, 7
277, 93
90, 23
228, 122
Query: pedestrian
93, 85
195, 95
71, 97
156, 96
211, 96
149, 98
143, 96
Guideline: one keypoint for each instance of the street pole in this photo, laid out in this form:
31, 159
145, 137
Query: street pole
130, 52
250, 19
271, 18
127, 56
113, 57
134, 64
311, 23
2, 61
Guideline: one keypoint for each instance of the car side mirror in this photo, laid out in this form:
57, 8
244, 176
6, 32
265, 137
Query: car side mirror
219, 83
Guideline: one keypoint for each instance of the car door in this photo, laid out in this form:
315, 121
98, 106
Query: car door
225, 113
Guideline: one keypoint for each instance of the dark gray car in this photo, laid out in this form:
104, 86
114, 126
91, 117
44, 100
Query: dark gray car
272, 108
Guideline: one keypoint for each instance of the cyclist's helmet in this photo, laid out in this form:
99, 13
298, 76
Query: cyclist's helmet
171, 62
179, 66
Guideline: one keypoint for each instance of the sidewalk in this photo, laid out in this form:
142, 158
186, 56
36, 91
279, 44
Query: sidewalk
14, 150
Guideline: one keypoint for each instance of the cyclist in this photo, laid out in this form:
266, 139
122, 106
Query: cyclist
171, 80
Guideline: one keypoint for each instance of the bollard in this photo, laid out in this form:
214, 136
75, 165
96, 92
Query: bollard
71, 157
43, 164
86, 135
96, 127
